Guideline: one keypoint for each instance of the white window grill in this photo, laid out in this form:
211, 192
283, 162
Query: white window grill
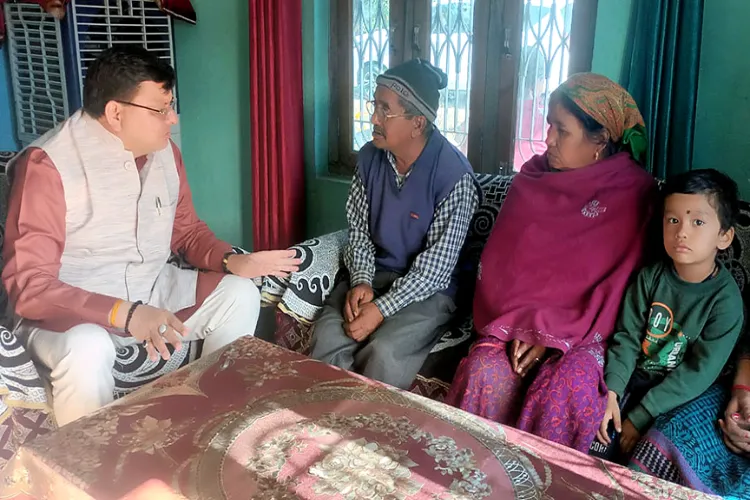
101, 24
37, 70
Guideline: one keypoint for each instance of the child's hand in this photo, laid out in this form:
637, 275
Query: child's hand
612, 413
629, 437
736, 421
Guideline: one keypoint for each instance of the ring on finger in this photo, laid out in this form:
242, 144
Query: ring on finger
162, 329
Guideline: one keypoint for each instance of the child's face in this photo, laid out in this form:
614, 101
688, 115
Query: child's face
692, 231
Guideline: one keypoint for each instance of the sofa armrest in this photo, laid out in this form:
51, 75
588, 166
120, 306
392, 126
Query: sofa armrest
302, 294
27, 413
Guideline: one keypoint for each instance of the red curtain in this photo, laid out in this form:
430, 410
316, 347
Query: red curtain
277, 144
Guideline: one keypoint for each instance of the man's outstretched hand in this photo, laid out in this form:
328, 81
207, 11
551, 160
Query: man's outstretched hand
279, 263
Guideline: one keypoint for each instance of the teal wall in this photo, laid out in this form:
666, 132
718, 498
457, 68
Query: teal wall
723, 114
723, 106
326, 195
612, 18
212, 62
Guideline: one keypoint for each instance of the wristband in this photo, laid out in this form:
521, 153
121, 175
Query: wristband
741, 387
113, 312
225, 262
130, 315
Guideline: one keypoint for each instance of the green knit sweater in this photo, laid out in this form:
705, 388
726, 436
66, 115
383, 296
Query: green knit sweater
680, 332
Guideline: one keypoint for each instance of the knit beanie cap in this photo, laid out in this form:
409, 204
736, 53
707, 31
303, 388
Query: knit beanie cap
417, 82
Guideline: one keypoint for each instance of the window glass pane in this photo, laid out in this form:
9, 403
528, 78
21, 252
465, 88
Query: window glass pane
451, 47
545, 55
370, 58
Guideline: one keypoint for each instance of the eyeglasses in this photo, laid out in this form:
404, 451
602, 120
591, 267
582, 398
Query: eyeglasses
163, 112
375, 109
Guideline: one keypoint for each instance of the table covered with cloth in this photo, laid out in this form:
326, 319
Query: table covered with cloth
258, 421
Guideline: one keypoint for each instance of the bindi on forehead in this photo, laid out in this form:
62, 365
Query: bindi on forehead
696, 212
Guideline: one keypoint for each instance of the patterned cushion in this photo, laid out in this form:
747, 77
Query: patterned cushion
301, 296
737, 256
494, 190
24, 410
133, 369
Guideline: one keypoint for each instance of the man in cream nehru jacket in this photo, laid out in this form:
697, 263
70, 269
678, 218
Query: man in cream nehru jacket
96, 207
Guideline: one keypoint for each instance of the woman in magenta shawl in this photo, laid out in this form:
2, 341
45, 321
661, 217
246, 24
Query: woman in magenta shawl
551, 278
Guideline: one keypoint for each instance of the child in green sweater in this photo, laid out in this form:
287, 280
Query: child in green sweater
680, 319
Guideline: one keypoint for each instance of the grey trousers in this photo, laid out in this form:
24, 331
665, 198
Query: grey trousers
395, 352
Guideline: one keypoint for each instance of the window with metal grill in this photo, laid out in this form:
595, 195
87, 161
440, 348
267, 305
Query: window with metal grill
100, 24
503, 59
37, 70
49, 58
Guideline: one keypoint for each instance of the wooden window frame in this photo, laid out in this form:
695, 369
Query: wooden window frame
492, 105
341, 156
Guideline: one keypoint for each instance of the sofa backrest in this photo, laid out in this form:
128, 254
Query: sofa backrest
494, 189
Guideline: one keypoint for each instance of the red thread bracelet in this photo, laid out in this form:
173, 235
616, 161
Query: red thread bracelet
741, 387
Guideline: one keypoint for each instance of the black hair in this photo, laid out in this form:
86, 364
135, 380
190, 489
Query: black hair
117, 73
593, 129
411, 110
719, 188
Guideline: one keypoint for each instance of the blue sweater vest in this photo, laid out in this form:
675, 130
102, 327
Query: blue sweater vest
400, 218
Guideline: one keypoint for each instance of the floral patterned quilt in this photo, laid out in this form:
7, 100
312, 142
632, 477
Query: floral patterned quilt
258, 421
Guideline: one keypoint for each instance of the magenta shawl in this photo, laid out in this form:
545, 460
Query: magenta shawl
562, 251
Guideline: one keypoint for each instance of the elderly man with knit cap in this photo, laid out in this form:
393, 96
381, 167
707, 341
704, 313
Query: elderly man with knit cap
409, 208
96, 207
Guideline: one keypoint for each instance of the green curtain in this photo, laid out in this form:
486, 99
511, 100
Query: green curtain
661, 72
